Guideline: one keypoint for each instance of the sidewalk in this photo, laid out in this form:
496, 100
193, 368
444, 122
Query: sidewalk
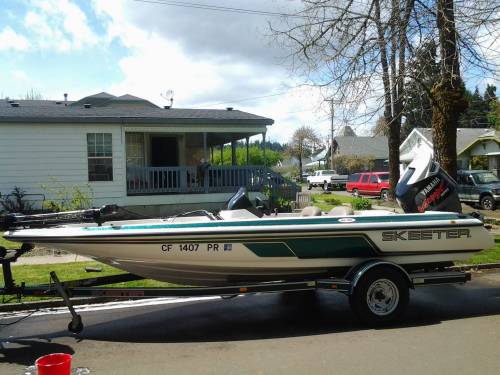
50, 259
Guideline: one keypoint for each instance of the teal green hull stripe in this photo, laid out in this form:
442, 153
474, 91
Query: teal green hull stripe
311, 248
270, 249
276, 222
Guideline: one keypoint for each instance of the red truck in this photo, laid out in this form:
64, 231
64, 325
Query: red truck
369, 183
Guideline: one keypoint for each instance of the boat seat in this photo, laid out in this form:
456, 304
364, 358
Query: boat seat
311, 211
341, 211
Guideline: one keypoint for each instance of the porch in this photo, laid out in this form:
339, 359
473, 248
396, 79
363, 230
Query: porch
212, 179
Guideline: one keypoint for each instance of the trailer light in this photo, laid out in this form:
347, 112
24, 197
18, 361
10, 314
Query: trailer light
243, 290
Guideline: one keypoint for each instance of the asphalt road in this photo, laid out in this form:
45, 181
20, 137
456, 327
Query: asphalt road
447, 330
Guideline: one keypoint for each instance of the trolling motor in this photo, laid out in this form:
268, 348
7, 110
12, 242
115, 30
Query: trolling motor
425, 186
95, 215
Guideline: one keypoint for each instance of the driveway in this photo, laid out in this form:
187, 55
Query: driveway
453, 329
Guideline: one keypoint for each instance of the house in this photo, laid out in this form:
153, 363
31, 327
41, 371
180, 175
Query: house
470, 142
129, 151
354, 147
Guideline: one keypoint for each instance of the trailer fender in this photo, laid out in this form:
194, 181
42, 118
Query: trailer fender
358, 271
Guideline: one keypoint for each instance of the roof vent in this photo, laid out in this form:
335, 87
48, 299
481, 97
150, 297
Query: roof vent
87, 105
13, 104
166, 107
229, 108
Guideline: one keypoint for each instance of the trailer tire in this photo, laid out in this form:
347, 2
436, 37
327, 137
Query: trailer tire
380, 296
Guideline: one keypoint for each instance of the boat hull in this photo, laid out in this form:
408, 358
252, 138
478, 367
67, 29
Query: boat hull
251, 251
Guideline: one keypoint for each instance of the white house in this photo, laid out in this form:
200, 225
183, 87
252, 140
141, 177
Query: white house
131, 152
470, 142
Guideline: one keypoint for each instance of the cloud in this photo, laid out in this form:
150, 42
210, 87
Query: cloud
59, 25
10, 40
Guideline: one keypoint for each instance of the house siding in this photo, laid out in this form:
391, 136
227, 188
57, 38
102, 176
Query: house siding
32, 155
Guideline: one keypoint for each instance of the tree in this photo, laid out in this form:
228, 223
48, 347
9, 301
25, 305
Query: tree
33, 94
380, 128
350, 50
423, 73
475, 116
303, 141
255, 156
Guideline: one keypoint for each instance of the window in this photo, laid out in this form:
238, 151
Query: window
100, 156
365, 179
135, 149
383, 177
373, 179
354, 177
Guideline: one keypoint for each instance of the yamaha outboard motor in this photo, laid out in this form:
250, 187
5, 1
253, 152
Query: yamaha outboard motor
425, 186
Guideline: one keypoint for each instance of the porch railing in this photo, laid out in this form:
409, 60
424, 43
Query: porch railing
214, 179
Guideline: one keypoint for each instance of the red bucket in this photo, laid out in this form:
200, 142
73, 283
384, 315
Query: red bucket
54, 364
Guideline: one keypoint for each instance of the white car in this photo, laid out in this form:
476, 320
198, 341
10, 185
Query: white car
326, 179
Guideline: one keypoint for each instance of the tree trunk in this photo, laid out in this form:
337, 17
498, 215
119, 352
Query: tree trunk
447, 95
394, 130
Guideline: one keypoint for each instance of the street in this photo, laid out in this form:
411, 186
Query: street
451, 329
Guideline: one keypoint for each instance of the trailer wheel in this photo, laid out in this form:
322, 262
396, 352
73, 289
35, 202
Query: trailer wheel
380, 297
76, 324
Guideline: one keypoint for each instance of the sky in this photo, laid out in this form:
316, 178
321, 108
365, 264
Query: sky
209, 59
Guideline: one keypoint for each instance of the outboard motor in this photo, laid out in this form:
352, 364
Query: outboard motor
425, 186
239, 200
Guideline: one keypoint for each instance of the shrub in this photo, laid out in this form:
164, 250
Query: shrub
361, 204
68, 198
15, 202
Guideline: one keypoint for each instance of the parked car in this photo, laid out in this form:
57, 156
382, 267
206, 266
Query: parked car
326, 179
369, 183
303, 178
479, 187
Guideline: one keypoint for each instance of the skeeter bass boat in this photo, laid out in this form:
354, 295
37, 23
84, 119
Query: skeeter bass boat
240, 244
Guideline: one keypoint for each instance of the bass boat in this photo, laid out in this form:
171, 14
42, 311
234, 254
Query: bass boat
242, 244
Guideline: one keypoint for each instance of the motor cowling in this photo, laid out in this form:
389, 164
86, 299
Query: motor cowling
425, 186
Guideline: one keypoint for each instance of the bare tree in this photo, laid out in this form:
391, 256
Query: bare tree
303, 141
357, 52
354, 50
33, 94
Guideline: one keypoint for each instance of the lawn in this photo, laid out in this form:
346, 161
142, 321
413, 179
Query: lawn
8, 244
39, 274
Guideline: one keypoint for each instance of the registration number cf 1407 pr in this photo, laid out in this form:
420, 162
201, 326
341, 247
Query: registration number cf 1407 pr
193, 247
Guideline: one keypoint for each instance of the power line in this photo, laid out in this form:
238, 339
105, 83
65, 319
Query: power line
221, 8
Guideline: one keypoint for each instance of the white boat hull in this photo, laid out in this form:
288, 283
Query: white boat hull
228, 252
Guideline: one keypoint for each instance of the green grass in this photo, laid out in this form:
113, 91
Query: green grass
323, 201
39, 274
8, 244
486, 256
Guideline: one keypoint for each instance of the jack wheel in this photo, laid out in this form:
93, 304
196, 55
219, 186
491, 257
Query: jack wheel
76, 325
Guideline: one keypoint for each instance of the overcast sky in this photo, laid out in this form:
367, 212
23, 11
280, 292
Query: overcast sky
209, 59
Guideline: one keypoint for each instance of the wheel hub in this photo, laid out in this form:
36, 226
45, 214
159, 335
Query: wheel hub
382, 297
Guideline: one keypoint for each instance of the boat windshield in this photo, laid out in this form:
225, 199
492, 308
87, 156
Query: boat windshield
485, 178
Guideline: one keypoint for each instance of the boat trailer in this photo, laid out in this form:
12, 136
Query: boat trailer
353, 285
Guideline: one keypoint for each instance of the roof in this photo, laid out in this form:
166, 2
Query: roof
376, 147
106, 108
465, 136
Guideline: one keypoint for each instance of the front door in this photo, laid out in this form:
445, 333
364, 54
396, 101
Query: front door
164, 152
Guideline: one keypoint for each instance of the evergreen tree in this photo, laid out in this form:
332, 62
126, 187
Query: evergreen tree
476, 115
423, 72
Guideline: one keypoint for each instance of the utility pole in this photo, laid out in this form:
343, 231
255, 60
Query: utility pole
331, 132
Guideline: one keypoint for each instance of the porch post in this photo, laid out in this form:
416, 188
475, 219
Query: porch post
221, 154
247, 148
264, 145
211, 155
205, 150
233, 152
